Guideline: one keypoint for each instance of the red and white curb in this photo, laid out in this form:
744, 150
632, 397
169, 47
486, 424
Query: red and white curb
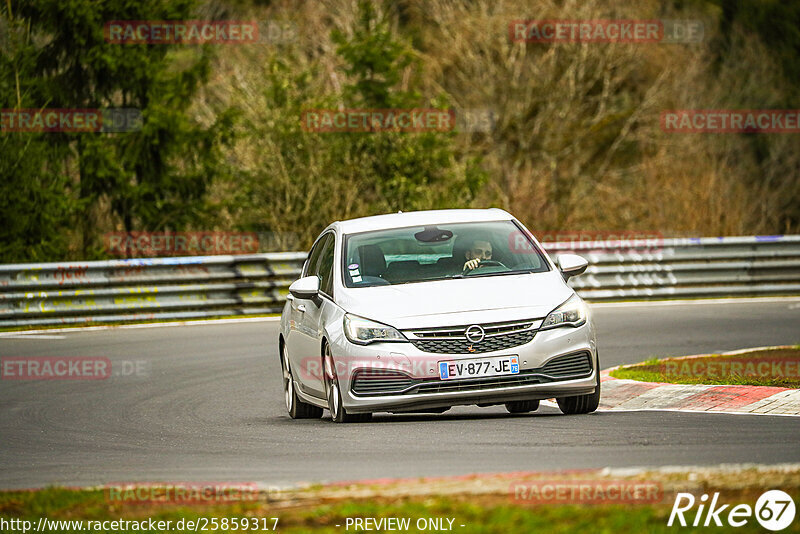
626, 395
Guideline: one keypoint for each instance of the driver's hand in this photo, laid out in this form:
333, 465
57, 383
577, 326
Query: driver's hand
471, 264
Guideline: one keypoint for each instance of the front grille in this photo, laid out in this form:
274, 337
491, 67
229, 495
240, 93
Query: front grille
489, 344
453, 340
380, 382
567, 367
377, 382
525, 378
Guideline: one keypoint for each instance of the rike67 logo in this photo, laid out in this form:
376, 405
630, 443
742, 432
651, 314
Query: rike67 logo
774, 510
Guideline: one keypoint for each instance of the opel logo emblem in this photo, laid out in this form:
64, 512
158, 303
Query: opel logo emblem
475, 333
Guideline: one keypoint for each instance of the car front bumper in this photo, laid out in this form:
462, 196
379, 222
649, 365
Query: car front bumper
427, 391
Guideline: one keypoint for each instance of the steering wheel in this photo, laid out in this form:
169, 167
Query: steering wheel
485, 263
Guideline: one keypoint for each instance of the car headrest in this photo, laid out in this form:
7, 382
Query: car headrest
373, 263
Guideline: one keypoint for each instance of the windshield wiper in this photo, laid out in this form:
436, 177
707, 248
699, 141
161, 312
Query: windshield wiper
524, 271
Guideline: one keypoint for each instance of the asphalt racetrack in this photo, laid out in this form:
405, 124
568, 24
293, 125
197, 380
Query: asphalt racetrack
206, 404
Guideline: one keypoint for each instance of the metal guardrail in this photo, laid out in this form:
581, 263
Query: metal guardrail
212, 286
690, 268
145, 289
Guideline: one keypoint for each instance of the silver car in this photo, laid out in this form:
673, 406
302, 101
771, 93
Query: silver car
419, 312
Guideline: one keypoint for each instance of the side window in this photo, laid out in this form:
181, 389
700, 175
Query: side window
312, 264
326, 266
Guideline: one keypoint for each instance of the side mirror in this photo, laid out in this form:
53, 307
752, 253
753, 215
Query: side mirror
305, 288
571, 265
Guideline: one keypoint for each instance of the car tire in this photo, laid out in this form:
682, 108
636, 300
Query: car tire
582, 404
334, 395
297, 409
522, 406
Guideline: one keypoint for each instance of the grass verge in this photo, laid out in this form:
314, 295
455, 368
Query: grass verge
476, 514
481, 504
776, 367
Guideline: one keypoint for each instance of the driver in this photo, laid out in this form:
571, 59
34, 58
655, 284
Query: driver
479, 251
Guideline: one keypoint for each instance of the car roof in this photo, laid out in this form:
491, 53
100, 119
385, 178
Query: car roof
419, 218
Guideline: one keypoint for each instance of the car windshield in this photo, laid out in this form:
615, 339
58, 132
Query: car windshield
438, 252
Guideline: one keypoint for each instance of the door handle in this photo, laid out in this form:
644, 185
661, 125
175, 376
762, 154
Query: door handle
301, 308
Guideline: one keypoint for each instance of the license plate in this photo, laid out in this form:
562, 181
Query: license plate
478, 367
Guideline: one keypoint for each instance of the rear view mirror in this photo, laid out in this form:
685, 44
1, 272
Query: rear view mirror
571, 265
432, 234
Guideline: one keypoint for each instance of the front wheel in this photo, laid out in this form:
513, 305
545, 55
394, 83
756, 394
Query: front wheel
297, 409
334, 395
582, 403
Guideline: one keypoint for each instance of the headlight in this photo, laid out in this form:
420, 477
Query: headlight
572, 313
363, 331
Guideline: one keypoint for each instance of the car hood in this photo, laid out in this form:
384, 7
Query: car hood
458, 301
